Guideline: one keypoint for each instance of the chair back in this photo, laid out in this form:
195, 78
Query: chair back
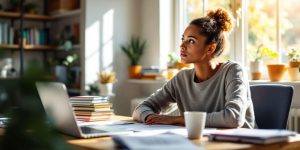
271, 104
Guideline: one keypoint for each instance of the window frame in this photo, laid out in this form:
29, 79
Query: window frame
239, 40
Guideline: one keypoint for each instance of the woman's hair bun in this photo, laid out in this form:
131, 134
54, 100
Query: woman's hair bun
222, 18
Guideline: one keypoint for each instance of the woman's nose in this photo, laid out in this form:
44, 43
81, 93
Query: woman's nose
182, 46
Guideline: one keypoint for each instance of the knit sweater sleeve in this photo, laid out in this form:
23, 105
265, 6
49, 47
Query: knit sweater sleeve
236, 101
156, 102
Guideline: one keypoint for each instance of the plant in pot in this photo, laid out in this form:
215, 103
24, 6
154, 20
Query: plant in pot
294, 64
256, 65
134, 50
106, 80
275, 70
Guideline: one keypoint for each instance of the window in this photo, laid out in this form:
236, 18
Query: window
260, 23
193, 9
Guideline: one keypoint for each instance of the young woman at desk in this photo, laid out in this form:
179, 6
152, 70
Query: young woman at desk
219, 88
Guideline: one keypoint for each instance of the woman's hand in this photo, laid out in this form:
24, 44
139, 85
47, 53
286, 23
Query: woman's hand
163, 119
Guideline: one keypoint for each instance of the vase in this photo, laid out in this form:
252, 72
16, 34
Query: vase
256, 69
105, 89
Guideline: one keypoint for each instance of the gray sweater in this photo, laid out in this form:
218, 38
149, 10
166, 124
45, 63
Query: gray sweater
225, 97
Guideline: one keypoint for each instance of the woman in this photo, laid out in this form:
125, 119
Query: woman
220, 89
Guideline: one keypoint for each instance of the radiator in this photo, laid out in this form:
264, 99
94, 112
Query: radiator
294, 119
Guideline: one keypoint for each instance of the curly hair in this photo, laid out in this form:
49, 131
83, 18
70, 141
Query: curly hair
213, 26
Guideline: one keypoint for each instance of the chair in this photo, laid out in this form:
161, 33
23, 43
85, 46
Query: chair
272, 104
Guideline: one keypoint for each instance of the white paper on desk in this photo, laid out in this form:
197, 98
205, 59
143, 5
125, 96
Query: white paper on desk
183, 132
154, 142
139, 127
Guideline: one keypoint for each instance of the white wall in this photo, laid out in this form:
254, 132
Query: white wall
108, 24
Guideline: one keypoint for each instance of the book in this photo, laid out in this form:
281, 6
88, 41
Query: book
93, 113
94, 118
101, 105
88, 101
154, 142
90, 109
81, 98
252, 136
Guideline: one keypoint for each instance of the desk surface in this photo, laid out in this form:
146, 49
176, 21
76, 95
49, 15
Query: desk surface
106, 143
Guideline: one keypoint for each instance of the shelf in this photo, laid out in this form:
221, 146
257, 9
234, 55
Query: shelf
28, 47
17, 15
141, 81
66, 14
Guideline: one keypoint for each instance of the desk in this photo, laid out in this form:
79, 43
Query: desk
106, 143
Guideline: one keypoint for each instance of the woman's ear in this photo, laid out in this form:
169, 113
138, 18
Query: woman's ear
211, 48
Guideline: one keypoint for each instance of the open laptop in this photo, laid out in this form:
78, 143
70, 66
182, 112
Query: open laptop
56, 103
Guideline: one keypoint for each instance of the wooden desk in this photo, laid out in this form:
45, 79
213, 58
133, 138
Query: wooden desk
106, 143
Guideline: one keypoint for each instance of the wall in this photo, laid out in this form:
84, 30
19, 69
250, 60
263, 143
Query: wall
149, 19
108, 24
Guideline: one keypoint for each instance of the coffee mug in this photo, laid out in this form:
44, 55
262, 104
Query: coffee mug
195, 123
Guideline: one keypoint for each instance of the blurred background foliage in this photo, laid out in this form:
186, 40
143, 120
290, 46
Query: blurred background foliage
27, 127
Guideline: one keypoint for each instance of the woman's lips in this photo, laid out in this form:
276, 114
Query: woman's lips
183, 55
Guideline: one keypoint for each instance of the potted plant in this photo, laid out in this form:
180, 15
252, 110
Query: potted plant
106, 80
31, 8
294, 64
256, 65
294, 57
134, 50
275, 70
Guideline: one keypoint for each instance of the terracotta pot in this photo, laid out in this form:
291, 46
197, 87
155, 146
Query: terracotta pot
294, 64
135, 71
256, 69
294, 73
276, 71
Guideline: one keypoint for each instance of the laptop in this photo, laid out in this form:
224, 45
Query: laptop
56, 103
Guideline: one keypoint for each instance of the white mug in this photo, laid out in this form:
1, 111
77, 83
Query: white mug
195, 123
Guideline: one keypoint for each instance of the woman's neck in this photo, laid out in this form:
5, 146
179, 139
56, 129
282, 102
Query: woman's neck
204, 71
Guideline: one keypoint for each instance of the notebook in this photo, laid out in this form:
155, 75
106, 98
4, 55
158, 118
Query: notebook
57, 105
253, 136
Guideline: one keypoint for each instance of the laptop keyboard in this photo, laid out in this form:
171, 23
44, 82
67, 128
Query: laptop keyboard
89, 130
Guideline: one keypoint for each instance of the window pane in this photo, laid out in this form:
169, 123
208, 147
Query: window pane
290, 25
194, 9
214, 4
261, 26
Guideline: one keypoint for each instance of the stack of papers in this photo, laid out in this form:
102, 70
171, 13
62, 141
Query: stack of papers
254, 136
154, 142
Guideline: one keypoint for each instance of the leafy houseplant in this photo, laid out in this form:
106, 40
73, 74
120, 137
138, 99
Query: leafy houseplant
294, 57
256, 66
294, 63
134, 50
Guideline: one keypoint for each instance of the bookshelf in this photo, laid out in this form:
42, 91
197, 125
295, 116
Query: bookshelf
21, 22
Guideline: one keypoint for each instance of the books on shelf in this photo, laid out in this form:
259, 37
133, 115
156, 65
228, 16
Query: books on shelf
253, 136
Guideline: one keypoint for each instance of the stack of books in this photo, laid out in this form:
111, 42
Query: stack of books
92, 108
152, 73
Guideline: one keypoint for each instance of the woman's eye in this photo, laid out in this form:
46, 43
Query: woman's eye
191, 41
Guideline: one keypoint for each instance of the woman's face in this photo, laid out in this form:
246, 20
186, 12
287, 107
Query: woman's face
193, 48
